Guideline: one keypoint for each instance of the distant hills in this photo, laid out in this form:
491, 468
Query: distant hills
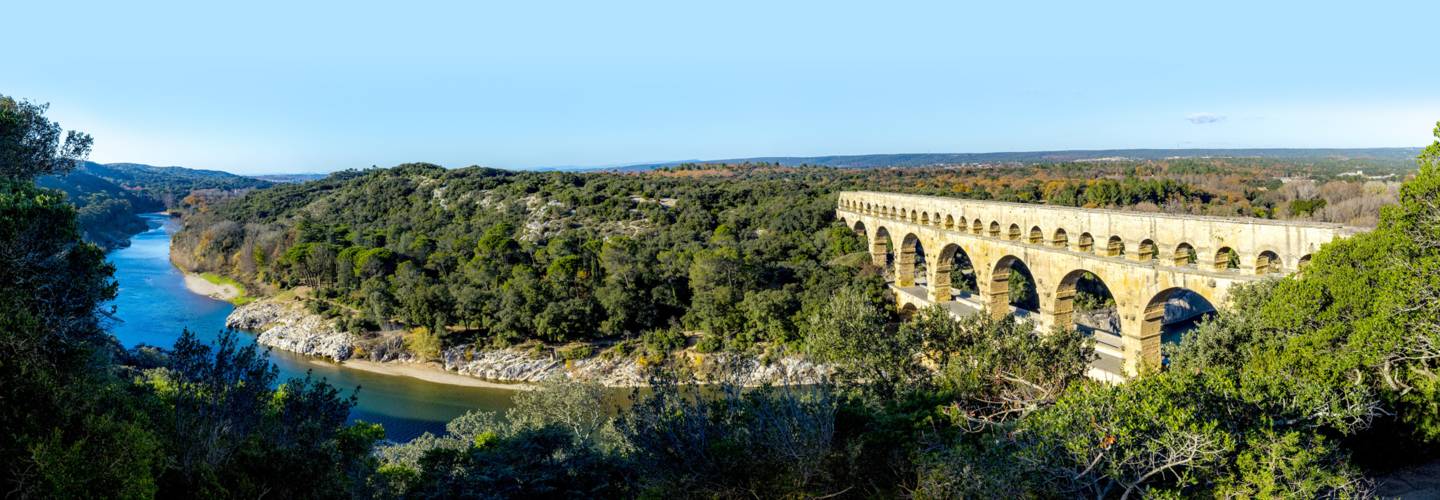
939, 159
110, 197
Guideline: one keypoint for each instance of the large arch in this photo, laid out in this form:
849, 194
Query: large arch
1084, 292
954, 274
1168, 315
1012, 284
910, 262
882, 251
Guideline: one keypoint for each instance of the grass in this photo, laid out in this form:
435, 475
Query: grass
241, 298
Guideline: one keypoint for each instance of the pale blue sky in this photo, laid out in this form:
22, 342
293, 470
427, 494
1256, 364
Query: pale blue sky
313, 86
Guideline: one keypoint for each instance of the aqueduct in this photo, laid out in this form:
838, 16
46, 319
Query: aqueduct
1160, 270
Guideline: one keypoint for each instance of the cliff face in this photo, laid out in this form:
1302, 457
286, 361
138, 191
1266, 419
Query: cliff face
286, 325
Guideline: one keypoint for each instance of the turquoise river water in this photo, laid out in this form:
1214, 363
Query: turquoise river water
154, 306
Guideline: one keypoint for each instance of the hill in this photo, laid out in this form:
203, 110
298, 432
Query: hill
110, 197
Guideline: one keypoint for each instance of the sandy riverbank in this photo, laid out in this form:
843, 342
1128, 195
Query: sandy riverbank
196, 283
427, 372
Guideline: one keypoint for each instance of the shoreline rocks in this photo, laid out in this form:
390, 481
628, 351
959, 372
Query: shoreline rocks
286, 325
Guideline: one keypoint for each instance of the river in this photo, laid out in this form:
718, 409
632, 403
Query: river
154, 307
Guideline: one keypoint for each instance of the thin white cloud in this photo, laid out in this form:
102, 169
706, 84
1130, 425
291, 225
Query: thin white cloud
1204, 118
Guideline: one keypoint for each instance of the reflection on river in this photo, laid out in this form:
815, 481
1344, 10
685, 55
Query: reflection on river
154, 306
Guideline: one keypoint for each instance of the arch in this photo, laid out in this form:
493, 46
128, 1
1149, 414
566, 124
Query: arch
1084, 301
1014, 233
936, 219
925, 218
914, 216
950, 222
995, 229
977, 227
1303, 263
954, 273
904, 213
882, 253
1147, 250
1060, 239
1168, 315
1036, 235
1267, 262
1085, 243
1012, 284
859, 228
910, 262
907, 311
1185, 255
1226, 259
1115, 247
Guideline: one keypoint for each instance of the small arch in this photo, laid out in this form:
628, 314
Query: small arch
995, 229
1036, 235
1014, 233
1146, 252
907, 311
977, 227
914, 216
936, 219
925, 218
950, 222
1185, 255
1267, 262
1115, 247
1060, 239
1226, 259
1086, 243
1303, 263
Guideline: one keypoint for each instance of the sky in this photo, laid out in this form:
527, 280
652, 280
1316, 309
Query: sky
312, 86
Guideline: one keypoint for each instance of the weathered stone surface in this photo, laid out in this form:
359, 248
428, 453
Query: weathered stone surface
1144, 259
288, 326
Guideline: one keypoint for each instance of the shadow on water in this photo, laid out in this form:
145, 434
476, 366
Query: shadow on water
153, 307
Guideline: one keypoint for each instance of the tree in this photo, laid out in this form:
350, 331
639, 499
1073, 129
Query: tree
30, 144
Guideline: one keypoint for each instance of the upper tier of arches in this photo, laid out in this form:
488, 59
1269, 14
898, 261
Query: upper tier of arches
1238, 245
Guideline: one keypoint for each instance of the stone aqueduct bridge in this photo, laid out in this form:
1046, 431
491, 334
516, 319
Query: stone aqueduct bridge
1144, 259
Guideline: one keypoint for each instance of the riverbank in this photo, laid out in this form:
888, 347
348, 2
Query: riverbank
217, 290
429, 372
283, 323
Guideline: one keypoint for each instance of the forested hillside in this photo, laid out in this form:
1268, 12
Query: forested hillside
110, 197
740, 252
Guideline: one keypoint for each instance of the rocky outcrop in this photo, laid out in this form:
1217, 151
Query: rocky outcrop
523, 365
287, 326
